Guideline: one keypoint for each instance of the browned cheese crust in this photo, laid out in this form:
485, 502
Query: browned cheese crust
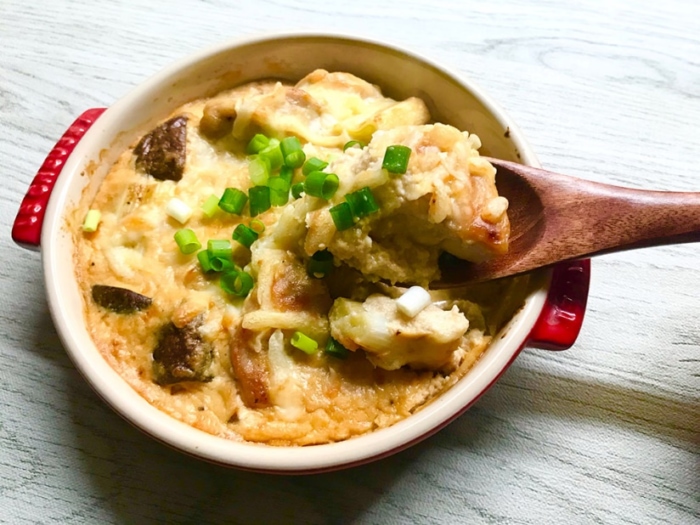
225, 364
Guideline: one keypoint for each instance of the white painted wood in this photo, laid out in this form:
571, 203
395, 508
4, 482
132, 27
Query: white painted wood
607, 432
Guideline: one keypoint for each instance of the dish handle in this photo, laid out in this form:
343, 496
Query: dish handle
562, 316
26, 230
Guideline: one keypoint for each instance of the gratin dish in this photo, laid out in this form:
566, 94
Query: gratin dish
550, 318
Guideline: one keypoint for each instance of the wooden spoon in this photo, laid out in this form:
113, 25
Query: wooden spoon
556, 217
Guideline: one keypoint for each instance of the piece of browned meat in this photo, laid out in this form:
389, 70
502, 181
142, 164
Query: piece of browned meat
250, 365
161, 153
181, 355
120, 300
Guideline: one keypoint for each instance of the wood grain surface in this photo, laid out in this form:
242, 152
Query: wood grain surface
607, 432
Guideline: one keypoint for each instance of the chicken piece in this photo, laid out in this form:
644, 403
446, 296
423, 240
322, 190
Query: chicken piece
288, 298
358, 107
446, 201
250, 365
217, 118
327, 109
280, 112
392, 340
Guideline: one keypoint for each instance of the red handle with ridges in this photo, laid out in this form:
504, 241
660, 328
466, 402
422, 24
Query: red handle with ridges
562, 316
26, 230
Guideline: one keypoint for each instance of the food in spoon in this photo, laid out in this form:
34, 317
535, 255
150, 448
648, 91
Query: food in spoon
253, 254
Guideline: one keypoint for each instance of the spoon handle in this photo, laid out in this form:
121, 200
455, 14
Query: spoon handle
580, 218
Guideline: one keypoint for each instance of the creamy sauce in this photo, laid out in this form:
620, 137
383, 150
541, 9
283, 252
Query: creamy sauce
254, 385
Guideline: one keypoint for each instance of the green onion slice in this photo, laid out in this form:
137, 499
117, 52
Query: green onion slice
362, 202
232, 201
294, 156
92, 220
237, 283
313, 164
220, 248
245, 235
321, 184
259, 200
259, 170
335, 349
297, 189
187, 241
304, 343
342, 216
221, 264
204, 261
273, 154
287, 175
295, 159
211, 205
320, 264
257, 226
353, 144
258, 143
279, 191
396, 159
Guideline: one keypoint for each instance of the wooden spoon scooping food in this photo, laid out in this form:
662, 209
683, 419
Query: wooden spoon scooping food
556, 217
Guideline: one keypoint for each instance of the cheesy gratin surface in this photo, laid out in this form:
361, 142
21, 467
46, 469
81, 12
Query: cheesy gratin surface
225, 364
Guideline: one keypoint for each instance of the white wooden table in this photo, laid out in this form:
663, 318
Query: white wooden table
607, 432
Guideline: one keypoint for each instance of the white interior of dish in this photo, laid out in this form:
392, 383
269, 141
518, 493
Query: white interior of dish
400, 74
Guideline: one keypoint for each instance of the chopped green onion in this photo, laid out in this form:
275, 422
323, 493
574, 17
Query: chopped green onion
233, 201
219, 248
205, 261
187, 241
258, 143
304, 343
221, 264
396, 159
178, 210
413, 301
211, 205
287, 175
313, 164
257, 226
321, 184
293, 155
362, 202
335, 349
273, 154
92, 220
352, 144
259, 170
279, 191
297, 189
342, 216
295, 159
289, 145
259, 199
244, 235
320, 264
237, 283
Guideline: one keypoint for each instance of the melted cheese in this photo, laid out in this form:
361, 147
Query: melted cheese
397, 366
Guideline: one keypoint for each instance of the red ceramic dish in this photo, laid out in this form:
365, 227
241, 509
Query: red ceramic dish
550, 318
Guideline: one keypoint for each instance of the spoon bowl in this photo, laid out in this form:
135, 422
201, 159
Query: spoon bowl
557, 217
